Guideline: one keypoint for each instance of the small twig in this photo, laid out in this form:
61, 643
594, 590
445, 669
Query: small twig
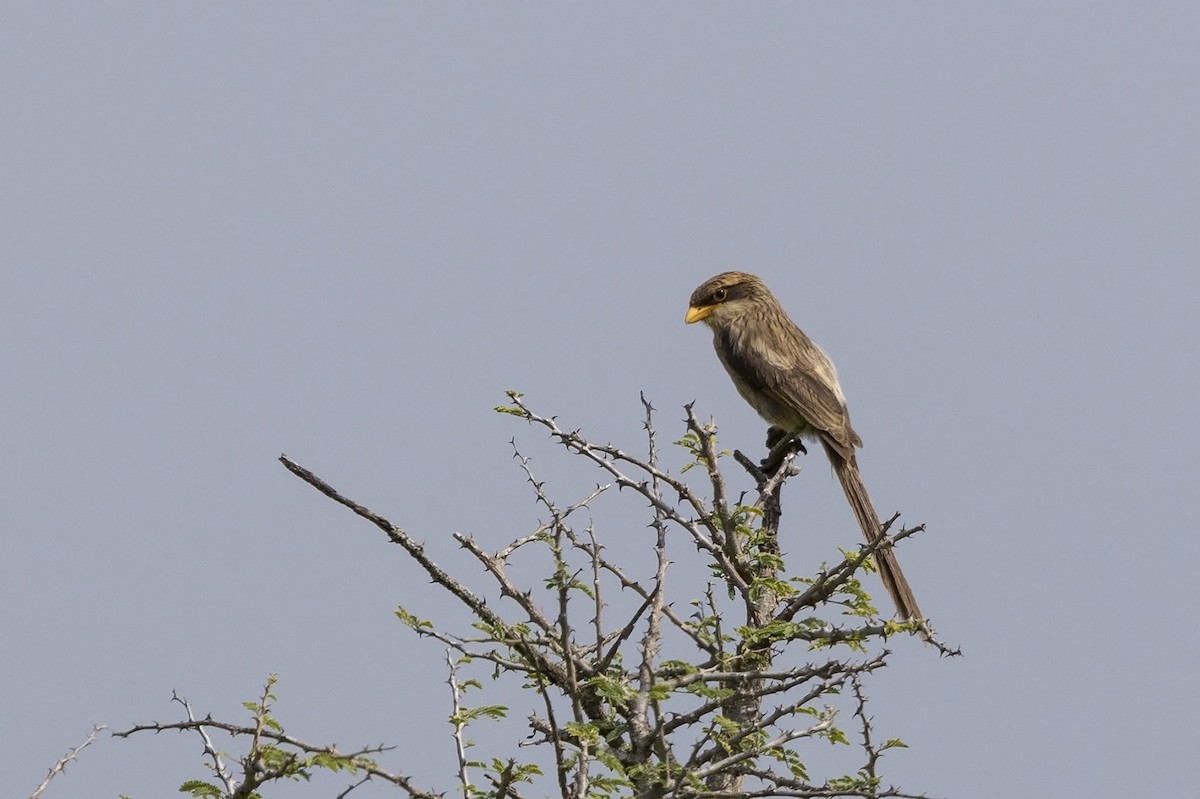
554, 735
61, 766
641, 729
218, 766
474, 603
358, 758
366, 778
592, 550
606, 457
860, 711
457, 722
597, 587
827, 582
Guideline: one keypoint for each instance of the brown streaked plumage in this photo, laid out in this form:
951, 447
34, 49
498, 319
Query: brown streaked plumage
793, 385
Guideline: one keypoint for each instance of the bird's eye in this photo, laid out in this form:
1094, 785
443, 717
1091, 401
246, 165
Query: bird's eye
720, 294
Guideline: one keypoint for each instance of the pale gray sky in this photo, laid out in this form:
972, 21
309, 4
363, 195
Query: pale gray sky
341, 230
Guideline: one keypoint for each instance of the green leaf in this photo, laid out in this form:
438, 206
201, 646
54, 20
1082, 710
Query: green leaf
513, 410
409, 620
836, 736
468, 714
585, 733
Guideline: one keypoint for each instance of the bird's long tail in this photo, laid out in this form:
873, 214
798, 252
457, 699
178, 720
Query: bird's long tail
846, 469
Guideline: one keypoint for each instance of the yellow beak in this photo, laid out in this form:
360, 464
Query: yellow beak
696, 313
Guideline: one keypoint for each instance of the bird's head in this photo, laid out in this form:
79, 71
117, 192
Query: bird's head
726, 297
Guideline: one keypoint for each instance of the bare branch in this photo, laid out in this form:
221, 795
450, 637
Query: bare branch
456, 720
358, 759
61, 766
366, 778
210, 751
417, 551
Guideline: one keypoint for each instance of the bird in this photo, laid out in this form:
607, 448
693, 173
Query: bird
793, 385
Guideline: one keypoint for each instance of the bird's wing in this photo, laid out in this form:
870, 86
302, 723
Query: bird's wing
798, 376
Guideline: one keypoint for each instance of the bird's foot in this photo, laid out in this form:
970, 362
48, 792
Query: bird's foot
781, 444
775, 435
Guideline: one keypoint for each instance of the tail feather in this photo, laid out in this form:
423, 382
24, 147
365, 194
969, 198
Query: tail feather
897, 586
